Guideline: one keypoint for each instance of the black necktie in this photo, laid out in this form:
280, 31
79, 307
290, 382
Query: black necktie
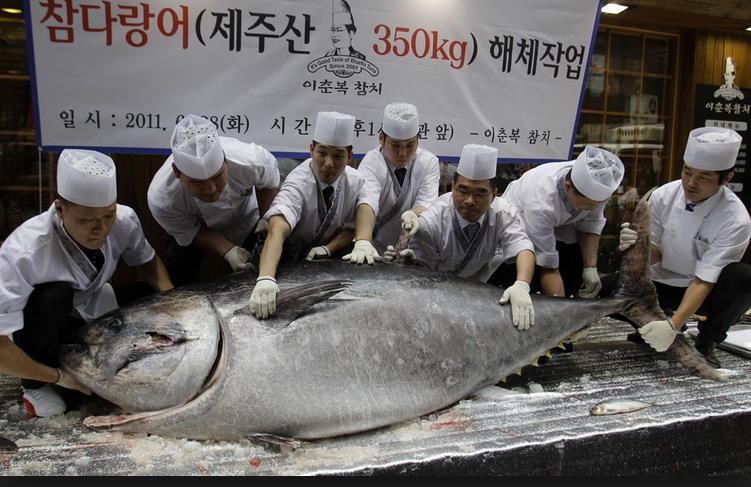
96, 257
690, 206
328, 192
399, 173
471, 229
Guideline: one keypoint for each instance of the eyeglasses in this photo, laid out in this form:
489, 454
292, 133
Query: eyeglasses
481, 194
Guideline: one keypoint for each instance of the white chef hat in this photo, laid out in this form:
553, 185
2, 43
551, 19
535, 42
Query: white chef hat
400, 121
341, 13
478, 162
597, 173
334, 128
196, 149
712, 148
86, 178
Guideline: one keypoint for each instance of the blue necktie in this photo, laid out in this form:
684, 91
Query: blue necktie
690, 206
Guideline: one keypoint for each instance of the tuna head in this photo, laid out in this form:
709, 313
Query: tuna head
152, 355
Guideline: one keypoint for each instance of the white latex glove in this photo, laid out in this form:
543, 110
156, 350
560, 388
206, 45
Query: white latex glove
320, 252
237, 257
263, 298
659, 334
363, 251
591, 284
522, 312
627, 237
411, 222
262, 227
390, 255
67, 381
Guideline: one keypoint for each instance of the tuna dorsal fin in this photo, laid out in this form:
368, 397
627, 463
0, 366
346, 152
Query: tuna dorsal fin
298, 299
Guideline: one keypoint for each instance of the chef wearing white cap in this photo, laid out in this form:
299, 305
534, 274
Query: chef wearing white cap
403, 178
55, 269
469, 231
699, 233
319, 209
209, 195
562, 205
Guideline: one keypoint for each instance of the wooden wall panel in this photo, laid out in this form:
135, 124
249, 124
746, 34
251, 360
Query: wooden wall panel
710, 61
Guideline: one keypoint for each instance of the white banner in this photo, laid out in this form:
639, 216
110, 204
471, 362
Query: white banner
117, 75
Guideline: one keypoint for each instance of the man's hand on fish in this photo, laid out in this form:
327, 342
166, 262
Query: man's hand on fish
363, 251
407, 255
238, 258
659, 334
263, 298
66, 380
627, 237
522, 311
410, 222
320, 252
591, 284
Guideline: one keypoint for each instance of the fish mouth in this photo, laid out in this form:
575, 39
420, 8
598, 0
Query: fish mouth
211, 381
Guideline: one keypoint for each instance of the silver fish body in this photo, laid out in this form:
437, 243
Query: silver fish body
351, 348
618, 406
397, 343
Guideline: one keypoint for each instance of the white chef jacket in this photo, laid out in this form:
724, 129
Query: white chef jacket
234, 214
547, 214
298, 202
437, 243
699, 243
35, 253
420, 188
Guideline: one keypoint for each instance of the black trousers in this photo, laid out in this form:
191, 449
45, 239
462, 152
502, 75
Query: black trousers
47, 320
723, 307
570, 266
183, 262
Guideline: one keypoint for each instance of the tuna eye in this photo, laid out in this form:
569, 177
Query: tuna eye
114, 324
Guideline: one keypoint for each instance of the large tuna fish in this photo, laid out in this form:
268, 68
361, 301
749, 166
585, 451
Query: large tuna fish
351, 348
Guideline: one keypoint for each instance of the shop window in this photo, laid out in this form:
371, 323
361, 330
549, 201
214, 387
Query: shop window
629, 109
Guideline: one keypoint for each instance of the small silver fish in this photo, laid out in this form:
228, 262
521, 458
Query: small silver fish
618, 406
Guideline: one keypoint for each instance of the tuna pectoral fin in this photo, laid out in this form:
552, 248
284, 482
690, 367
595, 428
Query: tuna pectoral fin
297, 300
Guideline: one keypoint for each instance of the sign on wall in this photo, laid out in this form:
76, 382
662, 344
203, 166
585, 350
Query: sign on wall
729, 107
117, 76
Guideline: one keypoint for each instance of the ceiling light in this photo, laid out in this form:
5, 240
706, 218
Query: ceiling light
9, 10
613, 8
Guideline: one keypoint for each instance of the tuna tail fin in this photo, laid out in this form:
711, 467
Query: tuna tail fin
635, 284
634, 279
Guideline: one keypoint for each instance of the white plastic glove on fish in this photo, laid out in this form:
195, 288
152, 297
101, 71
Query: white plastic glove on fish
237, 257
263, 298
627, 237
522, 311
659, 334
